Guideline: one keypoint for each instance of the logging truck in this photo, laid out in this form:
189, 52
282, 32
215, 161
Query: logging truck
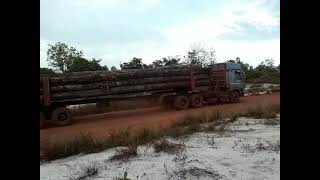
179, 87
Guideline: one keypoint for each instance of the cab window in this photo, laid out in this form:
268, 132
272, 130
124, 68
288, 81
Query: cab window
238, 76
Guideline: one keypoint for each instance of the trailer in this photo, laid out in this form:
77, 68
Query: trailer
178, 87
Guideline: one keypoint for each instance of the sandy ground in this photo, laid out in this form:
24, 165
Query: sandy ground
247, 149
101, 124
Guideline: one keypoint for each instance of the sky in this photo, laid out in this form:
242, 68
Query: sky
118, 30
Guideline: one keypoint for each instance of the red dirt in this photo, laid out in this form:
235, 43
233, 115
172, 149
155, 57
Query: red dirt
100, 124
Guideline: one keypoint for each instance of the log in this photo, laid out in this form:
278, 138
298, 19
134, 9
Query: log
110, 84
127, 89
98, 76
157, 69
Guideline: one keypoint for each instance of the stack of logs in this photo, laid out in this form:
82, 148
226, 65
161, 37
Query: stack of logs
102, 83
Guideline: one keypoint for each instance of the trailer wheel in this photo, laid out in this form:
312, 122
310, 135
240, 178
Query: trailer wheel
234, 96
61, 116
42, 119
195, 100
181, 102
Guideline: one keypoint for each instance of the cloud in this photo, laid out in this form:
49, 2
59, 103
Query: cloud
117, 30
116, 4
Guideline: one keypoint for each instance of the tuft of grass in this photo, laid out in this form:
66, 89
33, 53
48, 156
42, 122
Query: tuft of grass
165, 146
119, 138
210, 140
210, 128
125, 174
214, 116
271, 122
198, 118
233, 116
259, 145
89, 171
221, 127
195, 173
189, 119
174, 132
125, 153
193, 128
146, 135
84, 171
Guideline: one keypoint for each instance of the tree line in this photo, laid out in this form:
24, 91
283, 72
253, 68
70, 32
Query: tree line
64, 59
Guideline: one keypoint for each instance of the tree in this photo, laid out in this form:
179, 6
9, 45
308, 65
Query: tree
60, 56
244, 66
135, 63
157, 63
171, 61
192, 57
46, 71
201, 56
113, 68
265, 72
81, 64
69, 59
231, 61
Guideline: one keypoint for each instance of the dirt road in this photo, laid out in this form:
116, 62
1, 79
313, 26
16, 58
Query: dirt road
99, 125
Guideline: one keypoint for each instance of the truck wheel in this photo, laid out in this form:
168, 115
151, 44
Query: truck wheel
195, 100
61, 116
42, 119
181, 102
234, 97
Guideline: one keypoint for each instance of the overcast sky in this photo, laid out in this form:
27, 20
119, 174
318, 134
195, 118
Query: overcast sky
117, 30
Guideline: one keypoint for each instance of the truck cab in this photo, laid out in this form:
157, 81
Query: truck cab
228, 77
236, 78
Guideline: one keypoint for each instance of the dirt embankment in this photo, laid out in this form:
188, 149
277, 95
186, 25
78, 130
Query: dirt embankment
101, 124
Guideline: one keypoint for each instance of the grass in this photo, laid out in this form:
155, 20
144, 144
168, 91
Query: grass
233, 116
195, 173
165, 146
259, 112
271, 122
125, 153
198, 118
84, 171
210, 140
258, 146
85, 143
124, 177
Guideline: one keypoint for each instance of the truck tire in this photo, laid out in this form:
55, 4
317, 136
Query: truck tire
61, 116
181, 102
42, 119
234, 97
195, 100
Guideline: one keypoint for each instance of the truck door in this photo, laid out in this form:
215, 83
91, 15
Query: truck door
236, 80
